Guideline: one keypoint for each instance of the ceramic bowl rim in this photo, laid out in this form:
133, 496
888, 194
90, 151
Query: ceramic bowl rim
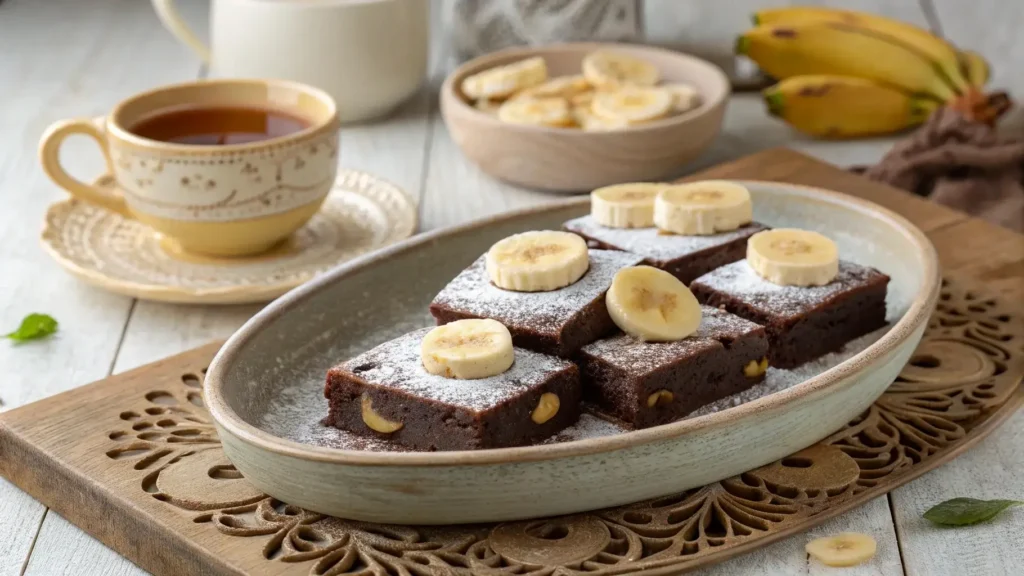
449, 93
229, 421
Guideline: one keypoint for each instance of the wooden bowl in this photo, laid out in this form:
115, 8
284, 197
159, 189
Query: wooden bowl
265, 387
571, 160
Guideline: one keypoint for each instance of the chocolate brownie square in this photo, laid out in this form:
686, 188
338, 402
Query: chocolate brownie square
438, 413
558, 322
803, 322
649, 383
685, 257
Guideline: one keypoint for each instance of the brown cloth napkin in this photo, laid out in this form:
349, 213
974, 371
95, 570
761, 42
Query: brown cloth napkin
962, 164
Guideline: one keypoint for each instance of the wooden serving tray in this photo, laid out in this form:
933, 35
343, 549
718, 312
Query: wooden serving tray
135, 461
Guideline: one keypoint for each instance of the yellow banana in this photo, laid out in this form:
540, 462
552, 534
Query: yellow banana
975, 67
844, 106
928, 44
786, 50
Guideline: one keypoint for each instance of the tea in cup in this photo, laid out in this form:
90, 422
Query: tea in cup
220, 168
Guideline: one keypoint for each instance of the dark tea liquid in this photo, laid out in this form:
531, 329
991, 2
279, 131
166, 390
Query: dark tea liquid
209, 126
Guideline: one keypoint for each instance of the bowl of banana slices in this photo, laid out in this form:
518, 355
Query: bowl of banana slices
574, 117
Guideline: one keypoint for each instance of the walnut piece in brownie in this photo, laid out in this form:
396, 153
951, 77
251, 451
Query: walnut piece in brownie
649, 383
685, 257
433, 412
802, 322
558, 322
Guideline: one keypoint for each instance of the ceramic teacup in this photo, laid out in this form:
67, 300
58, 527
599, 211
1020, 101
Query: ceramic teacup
219, 200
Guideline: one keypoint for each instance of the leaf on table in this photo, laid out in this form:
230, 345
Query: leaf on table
967, 511
34, 327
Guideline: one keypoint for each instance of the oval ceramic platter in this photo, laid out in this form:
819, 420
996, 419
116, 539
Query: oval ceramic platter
265, 387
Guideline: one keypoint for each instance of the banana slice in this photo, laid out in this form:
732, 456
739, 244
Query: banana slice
633, 104
560, 87
625, 205
610, 70
685, 97
652, 305
591, 122
504, 81
583, 99
536, 112
488, 106
467, 349
845, 549
537, 261
702, 208
792, 257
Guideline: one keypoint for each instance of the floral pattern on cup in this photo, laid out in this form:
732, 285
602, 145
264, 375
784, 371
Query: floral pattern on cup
248, 183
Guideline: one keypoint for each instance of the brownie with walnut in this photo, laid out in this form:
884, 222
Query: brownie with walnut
515, 408
644, 384
557, 322
685, 257
802, 322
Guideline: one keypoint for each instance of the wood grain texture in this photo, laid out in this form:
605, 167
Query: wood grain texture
992, 469
98, 457
789, 556
70, 61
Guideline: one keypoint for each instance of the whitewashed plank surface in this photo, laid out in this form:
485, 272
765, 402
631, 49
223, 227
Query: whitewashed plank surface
70, 61
993, 29
992, 470
77, 58
789, 557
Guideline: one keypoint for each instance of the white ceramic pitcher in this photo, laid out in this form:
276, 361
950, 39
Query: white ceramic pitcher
370, 55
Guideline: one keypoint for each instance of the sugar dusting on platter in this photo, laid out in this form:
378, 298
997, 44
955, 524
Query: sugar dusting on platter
297, 412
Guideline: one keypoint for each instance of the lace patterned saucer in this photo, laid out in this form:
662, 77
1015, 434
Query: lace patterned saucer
362, 213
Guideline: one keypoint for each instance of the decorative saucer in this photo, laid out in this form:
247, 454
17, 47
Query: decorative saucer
362, 213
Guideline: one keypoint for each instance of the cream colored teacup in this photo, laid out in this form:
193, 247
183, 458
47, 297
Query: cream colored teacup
219, 200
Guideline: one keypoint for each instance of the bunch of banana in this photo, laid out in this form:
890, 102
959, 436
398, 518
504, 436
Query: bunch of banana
845, 74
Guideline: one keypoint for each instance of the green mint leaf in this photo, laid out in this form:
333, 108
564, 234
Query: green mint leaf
33, 327
966, 511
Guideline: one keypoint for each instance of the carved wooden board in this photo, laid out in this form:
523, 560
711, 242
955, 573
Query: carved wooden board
135, 461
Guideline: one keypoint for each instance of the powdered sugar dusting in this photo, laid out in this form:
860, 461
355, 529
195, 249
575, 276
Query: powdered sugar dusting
740, 280
776, 380
471, 292
396, 364
297, 413
638, 357
655, 246
588, 426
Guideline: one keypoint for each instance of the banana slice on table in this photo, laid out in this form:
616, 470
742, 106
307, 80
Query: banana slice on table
536, 112
609, 70
703, 208
625, 205
685, 97
652, 305
792, 257
468, 349
633, 104
845, 549
591, 122
504, 81
560, 87
537, 261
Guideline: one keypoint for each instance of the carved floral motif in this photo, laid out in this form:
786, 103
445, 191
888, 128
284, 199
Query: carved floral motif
968, 365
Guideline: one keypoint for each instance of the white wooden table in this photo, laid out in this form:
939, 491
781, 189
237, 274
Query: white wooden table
65, 58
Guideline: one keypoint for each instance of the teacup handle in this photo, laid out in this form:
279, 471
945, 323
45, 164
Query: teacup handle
168, 14
49, 155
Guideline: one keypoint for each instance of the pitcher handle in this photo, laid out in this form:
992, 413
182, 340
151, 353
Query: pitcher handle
49, 155
171, 20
